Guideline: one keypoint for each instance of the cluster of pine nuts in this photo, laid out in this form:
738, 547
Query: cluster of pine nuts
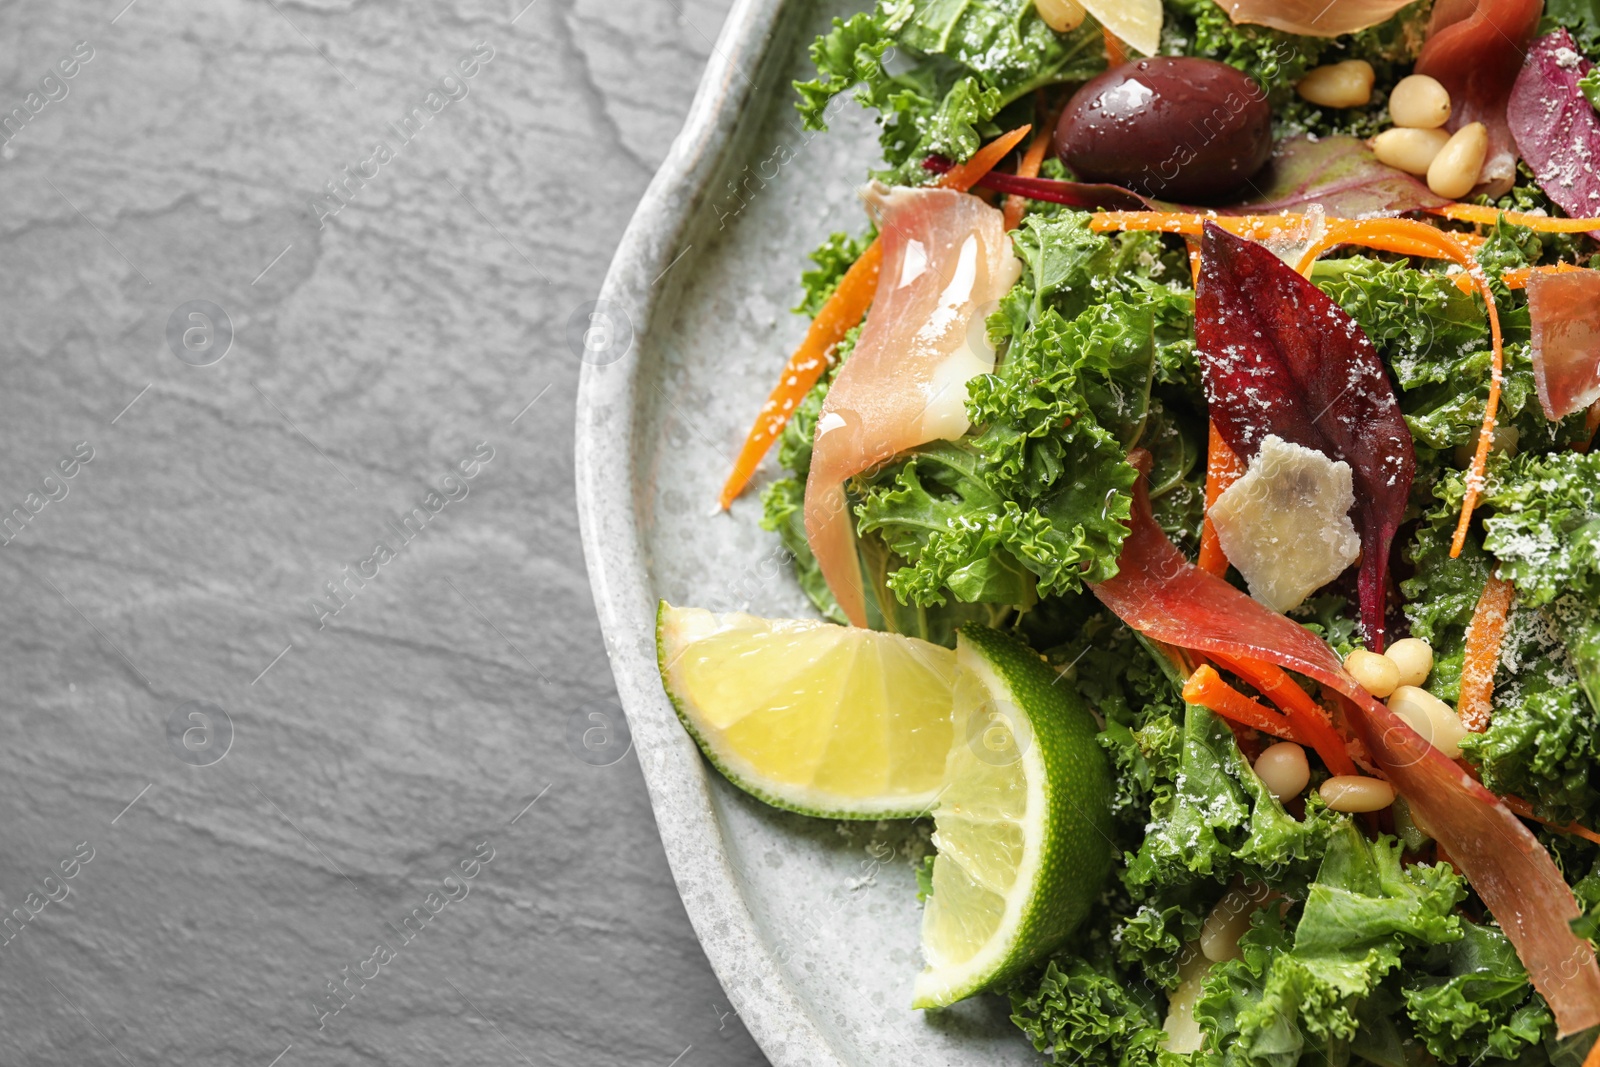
1418, 143
1397, 675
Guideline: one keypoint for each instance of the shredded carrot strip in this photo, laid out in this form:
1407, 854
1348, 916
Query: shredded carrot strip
1524, 809
1593, 1058
964, 176
1484, 634
1310, 721
839, 314
1194, 266
842, 311
1518, 279
1187, 223
1116, 51
1032, 160
1408, 237
1223, 468
1488, 216
1206, 688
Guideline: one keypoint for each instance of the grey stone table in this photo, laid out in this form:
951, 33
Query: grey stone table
310, 753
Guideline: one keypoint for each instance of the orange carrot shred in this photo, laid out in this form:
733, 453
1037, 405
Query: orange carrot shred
1488, 216
964, 176
1525, 810
1310, 721
1206, 688
1223, 468
1484, 634
1032, 160
839, 314
1116, 51
1518, 278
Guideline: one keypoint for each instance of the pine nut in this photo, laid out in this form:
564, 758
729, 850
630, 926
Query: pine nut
1414, 657
1063, 16
1282, 768
1431, 717
1454, 171
1377, 674
1347, 84
1419, 102
1182, 1029
1412, 151
1228, 922
1351, 792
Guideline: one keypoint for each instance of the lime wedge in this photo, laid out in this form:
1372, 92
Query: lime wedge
1137, 23
1023, 828
816, 718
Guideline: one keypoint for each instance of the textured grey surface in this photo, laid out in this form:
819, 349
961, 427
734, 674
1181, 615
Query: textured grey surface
375, 750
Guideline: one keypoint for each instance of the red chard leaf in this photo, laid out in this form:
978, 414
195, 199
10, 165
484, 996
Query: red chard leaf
1340, 173
1281, 358
1557, 131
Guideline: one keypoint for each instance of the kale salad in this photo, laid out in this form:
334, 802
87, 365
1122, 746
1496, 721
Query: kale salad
1188, 458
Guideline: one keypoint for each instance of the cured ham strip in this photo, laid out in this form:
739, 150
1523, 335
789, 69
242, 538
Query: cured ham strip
1565, 309
1158, 592
1475, 49
946, 262
1313, 18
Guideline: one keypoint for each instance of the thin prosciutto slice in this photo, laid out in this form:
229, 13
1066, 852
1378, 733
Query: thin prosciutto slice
1158, 592
946, 262
1475, 49
1565, 309
1313, 18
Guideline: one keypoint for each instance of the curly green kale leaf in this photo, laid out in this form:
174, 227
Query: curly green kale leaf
1220, 820
1482, 1003
1302, 992
1540, 524
1032, 502
952, 69
1436, 339
1086, 1011
833, 258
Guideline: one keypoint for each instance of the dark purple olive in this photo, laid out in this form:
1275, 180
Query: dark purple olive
1172, 127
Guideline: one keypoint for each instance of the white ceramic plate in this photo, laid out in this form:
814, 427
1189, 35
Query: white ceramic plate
811, 925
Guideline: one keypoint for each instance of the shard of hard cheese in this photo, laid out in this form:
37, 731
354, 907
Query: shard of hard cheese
1286, 524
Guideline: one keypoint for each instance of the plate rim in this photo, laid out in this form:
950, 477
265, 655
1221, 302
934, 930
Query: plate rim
675, 775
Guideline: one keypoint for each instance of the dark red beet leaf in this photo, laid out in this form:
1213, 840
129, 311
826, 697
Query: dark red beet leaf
1557, 131
1279, 357
1087, 196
